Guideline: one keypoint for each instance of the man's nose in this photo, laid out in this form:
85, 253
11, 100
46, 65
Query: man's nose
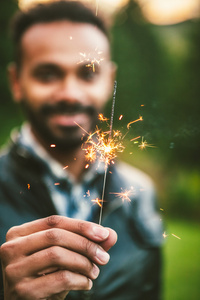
70, 90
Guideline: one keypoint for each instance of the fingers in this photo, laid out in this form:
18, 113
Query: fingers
51, 284
51, 260
110, 241
30, 244
90, 230
65, 250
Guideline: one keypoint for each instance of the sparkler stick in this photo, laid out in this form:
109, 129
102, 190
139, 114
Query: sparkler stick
106, 162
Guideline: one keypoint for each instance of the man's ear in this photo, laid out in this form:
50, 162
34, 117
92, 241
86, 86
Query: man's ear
13, 76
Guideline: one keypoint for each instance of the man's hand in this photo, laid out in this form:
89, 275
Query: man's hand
49, 257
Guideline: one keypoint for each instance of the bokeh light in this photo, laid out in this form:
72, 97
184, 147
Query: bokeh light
160, 12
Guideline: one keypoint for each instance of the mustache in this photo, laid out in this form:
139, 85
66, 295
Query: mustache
63, 107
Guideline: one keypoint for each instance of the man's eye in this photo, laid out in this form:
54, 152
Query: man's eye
46, 76
89, 71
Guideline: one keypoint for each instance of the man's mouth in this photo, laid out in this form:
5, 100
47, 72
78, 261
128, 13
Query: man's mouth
69, 119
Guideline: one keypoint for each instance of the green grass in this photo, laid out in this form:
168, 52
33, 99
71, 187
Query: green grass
182, 261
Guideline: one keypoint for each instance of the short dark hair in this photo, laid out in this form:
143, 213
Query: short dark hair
52, 11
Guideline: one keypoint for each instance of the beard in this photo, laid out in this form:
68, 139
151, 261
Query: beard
66, 138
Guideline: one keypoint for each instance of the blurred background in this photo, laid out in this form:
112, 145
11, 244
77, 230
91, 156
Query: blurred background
156, 45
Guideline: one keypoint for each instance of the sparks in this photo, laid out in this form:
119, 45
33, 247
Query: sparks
144, 144
102, 118
124, 195
165, 235
139, 119
176, 236
136, 138
29, 186
98, 201
91, 62
52, 145
117, 133
99, 144
120, 117
87, 166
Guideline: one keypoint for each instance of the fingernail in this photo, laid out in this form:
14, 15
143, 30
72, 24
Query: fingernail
95, 271
100, 232
102, 255
90, 283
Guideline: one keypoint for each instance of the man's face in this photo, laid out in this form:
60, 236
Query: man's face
65, 79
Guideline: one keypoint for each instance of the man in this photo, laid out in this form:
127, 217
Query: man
62, 77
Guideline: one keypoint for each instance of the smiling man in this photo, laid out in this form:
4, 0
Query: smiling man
63, 76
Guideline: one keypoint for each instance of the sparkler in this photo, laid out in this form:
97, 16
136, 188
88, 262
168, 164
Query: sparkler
105, 145
106, 148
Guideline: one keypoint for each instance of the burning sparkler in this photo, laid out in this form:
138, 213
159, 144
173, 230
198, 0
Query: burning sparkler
105, 146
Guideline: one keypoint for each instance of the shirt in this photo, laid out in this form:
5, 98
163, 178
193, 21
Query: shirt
70, 198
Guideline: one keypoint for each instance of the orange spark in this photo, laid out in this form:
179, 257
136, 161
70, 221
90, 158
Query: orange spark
165, 235
90, 154
102, 118
136, 138
124, 195
176, 236
29, 186
116, 133
57, 183
99, 143
139, 119
91, 62
97, 201
144, 144
120, 117
52, 145
87, 166
65, 167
